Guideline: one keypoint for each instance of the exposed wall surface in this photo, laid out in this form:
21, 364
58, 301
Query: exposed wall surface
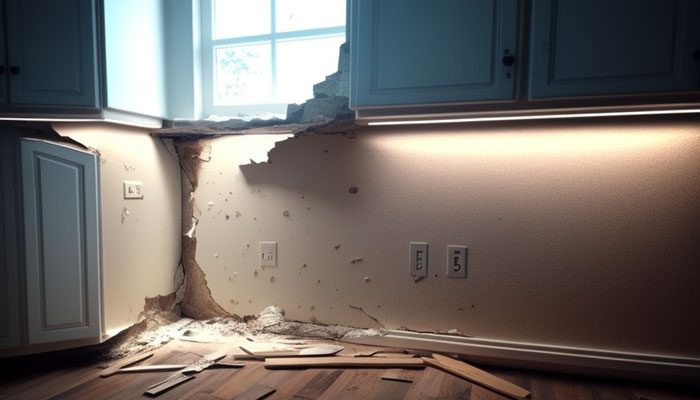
579, 233
140, 238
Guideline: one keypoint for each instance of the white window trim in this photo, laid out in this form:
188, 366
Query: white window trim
207, 64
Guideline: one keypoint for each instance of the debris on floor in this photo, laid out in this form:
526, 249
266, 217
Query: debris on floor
159, 328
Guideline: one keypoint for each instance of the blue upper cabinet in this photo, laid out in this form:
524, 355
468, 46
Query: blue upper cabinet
52, 53
614, 47
427, 52
91, 59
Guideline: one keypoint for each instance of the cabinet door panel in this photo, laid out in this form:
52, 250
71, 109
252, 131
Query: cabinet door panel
53, 43
61, 242
420, 52
600, 47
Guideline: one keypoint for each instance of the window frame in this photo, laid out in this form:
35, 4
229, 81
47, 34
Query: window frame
209, 44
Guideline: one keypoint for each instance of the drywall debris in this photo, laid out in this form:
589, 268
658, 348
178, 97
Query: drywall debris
367, 279
205, 154
191, 232
216, 255
353, 190
285, 213
210, 205
368, 315
357, 260
125, 213
271, 315
337, 246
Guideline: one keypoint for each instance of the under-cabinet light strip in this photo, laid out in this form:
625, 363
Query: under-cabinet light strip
532, 117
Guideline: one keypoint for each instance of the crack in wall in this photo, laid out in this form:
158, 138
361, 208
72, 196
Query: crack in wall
196, 300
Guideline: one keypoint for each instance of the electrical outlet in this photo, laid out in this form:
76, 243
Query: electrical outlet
457, 261
268, 254
133, 190
418, 259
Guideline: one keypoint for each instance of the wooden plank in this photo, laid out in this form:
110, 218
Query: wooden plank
114, 368
152, 368
257, 392
477, 376
167, 384
339, 362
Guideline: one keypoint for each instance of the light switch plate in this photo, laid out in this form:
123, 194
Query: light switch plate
133, 190
268, 254
418, 259
457, 257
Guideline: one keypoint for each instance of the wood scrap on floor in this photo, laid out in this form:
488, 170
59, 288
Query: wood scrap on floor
343, 362
477, 376
114, 368
311, 351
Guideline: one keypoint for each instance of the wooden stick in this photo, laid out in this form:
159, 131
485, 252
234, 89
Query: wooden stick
152, 368
340, 361
477, 376
114, 368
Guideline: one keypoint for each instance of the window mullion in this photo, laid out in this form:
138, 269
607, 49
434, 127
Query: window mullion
273, 46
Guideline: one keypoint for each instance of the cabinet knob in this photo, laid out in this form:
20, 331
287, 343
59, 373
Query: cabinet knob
696, 55
508, 60
14, 70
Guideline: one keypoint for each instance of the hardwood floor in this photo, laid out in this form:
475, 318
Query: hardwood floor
67, 376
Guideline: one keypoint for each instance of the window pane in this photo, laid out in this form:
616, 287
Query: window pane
293, 15
237, 18
295, 75
242, 74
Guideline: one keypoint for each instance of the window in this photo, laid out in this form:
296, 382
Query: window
260, 55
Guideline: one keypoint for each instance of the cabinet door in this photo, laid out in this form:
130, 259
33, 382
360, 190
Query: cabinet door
52, 47
422, 52
60, 186
9, 283
604, 47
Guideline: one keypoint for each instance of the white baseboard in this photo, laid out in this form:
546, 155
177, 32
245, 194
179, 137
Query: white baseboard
596, 362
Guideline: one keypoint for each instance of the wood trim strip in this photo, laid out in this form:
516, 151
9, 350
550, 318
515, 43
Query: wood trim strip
477, 376
339, 362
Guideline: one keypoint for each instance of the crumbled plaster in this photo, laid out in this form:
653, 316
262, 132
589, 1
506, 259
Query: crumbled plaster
159, 325
197, 301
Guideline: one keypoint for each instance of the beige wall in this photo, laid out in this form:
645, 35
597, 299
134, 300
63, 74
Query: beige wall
141, 253
580, 233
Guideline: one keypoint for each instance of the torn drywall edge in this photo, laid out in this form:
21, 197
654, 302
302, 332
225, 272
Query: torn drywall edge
196, 300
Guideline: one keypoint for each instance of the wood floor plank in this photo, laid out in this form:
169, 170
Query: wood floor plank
427, 385
318, 384
391, 390
54, 377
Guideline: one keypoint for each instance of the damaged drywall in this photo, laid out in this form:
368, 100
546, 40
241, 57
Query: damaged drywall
193, 293
547, 211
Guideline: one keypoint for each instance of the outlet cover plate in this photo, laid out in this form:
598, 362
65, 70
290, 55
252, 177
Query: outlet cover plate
418, 259
457, 257
268, 254
133, 190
